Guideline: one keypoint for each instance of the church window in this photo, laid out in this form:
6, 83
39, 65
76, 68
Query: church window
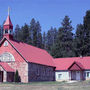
6, 57
59, 76
88, 73
5, 43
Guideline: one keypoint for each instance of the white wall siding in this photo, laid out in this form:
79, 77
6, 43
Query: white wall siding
62, 75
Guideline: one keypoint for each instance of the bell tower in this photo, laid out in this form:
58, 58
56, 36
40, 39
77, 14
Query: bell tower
8, 27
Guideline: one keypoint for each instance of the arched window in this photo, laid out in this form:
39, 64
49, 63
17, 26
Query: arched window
6, 31
10, 31
7, 57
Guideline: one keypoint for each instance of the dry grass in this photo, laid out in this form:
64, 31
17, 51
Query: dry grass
84, 85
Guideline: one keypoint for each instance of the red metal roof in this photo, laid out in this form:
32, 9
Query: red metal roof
65, 63
33, 54
6, 67
8, 21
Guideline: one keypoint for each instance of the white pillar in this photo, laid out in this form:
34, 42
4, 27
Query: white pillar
4, 76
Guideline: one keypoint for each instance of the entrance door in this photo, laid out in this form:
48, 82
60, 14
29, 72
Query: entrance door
73, 75
1, 76
77, 75
10, 76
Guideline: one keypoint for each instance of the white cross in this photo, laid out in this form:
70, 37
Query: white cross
8, 10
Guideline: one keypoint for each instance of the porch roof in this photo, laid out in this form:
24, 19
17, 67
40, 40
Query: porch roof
6, 67
76, 66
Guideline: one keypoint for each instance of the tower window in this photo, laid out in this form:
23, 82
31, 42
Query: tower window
10, 31
6, 31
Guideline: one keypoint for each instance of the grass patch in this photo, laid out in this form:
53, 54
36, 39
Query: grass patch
32, 83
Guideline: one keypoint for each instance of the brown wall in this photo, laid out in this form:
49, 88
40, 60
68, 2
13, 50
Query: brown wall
39, 72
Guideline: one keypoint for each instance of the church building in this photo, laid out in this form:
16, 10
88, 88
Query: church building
32, 63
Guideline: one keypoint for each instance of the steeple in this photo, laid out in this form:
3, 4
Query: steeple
8, 27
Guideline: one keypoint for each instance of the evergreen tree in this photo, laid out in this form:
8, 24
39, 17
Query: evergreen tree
51, 38
44, 40
54, 35
48, 42
79, 41
35, 31
17, 77
25, 33
87, 34
17, 33
32, 28
39, 35
64, 46
35, 37
1, 32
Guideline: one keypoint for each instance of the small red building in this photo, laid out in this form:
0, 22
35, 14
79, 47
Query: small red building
33, 64
73, 68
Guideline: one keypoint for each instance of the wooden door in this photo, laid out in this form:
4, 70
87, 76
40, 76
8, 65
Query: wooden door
77, 75
10, 76
1, 76
73, 75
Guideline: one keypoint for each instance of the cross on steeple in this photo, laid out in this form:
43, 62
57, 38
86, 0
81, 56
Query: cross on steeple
8, 10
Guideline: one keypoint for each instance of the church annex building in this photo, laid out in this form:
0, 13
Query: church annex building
35, 64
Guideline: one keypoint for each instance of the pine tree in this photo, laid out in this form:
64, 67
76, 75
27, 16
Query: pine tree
32, 28
63, 46
79, 41
39, 35
1, 32
17, 33
35, 31
54, 35
87, 33
48, 43
44, 40
51, 38
17, 78
25, 33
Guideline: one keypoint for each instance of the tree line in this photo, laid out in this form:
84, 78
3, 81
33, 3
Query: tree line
61, 42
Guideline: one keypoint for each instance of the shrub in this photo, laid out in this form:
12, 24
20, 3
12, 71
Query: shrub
17, 77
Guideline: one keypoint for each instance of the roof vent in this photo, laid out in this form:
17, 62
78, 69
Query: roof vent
81, 56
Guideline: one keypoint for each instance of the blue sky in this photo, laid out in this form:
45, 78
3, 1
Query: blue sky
47, 12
